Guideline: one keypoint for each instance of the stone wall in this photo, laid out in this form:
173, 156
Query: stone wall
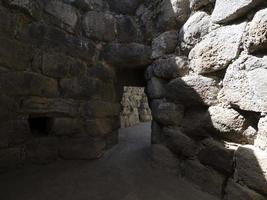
62, 72
64, 63
207, 91
135, 108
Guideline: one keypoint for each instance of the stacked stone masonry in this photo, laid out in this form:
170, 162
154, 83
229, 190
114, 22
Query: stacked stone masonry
135, 108
64, 64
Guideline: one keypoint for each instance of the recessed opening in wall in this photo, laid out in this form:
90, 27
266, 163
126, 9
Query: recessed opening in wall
135, 108
40, 126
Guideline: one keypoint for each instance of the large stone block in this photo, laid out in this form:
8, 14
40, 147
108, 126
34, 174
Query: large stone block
8, 108
245, 82
234, 191
167, 113
86, 87
124, 6
261, 139
216, 155
256, 34
13, 132
198, 4
50, 106
58, 65
10, 158
156, 88
217, 49
127, 55
27, 6
15, 55
171, 67
193, 90
229, 123
206, 178
192, 32
102, 72
64, 12
251, 166
28, 83
42, 150
67, 126
162, 157
99, 25
172, 14
165, 43
226, 11
87, 5
179, 143
100, 109
127, 29
84, 148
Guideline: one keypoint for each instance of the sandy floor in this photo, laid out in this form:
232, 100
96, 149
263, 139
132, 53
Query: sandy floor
124, 173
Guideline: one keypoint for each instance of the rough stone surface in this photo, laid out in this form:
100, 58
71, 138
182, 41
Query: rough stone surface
226, 11
217, 50
261, 139
193, 90
251, 165
198, 4
171, 67
196, 27
164, 44
206, 178
245, 82
100, 26
156, 88
257, 34
235, 191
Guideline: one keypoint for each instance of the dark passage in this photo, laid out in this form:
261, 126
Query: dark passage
40, 126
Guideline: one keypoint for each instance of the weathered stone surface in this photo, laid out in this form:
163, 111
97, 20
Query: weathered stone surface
156, 134
217, 49
50, 106
251, 166
228, 122
167, 113
216, 155
171, 67
86, 87
124, 6
261, 138
100, 109
99, 25
156, 88
81, 148
245, 82
172, 14
179, 143
28, 83
9, 134
87, 5
102, 72
193, 90
127, 29
10, 158
64, 12
195, 122
197, 4
164, 44
8, 107
164, 158
15, 55
196, 27
226, 11
58, 65
206, 178
257, 34
237, 192
42, 150
67, 126
28, 6
127, 55
101, 127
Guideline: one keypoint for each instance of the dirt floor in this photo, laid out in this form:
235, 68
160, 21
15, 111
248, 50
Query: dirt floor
124, 173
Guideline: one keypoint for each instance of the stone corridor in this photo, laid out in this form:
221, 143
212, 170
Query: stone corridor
124, 173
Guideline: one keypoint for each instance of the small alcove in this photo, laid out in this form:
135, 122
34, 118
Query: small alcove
40, 126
